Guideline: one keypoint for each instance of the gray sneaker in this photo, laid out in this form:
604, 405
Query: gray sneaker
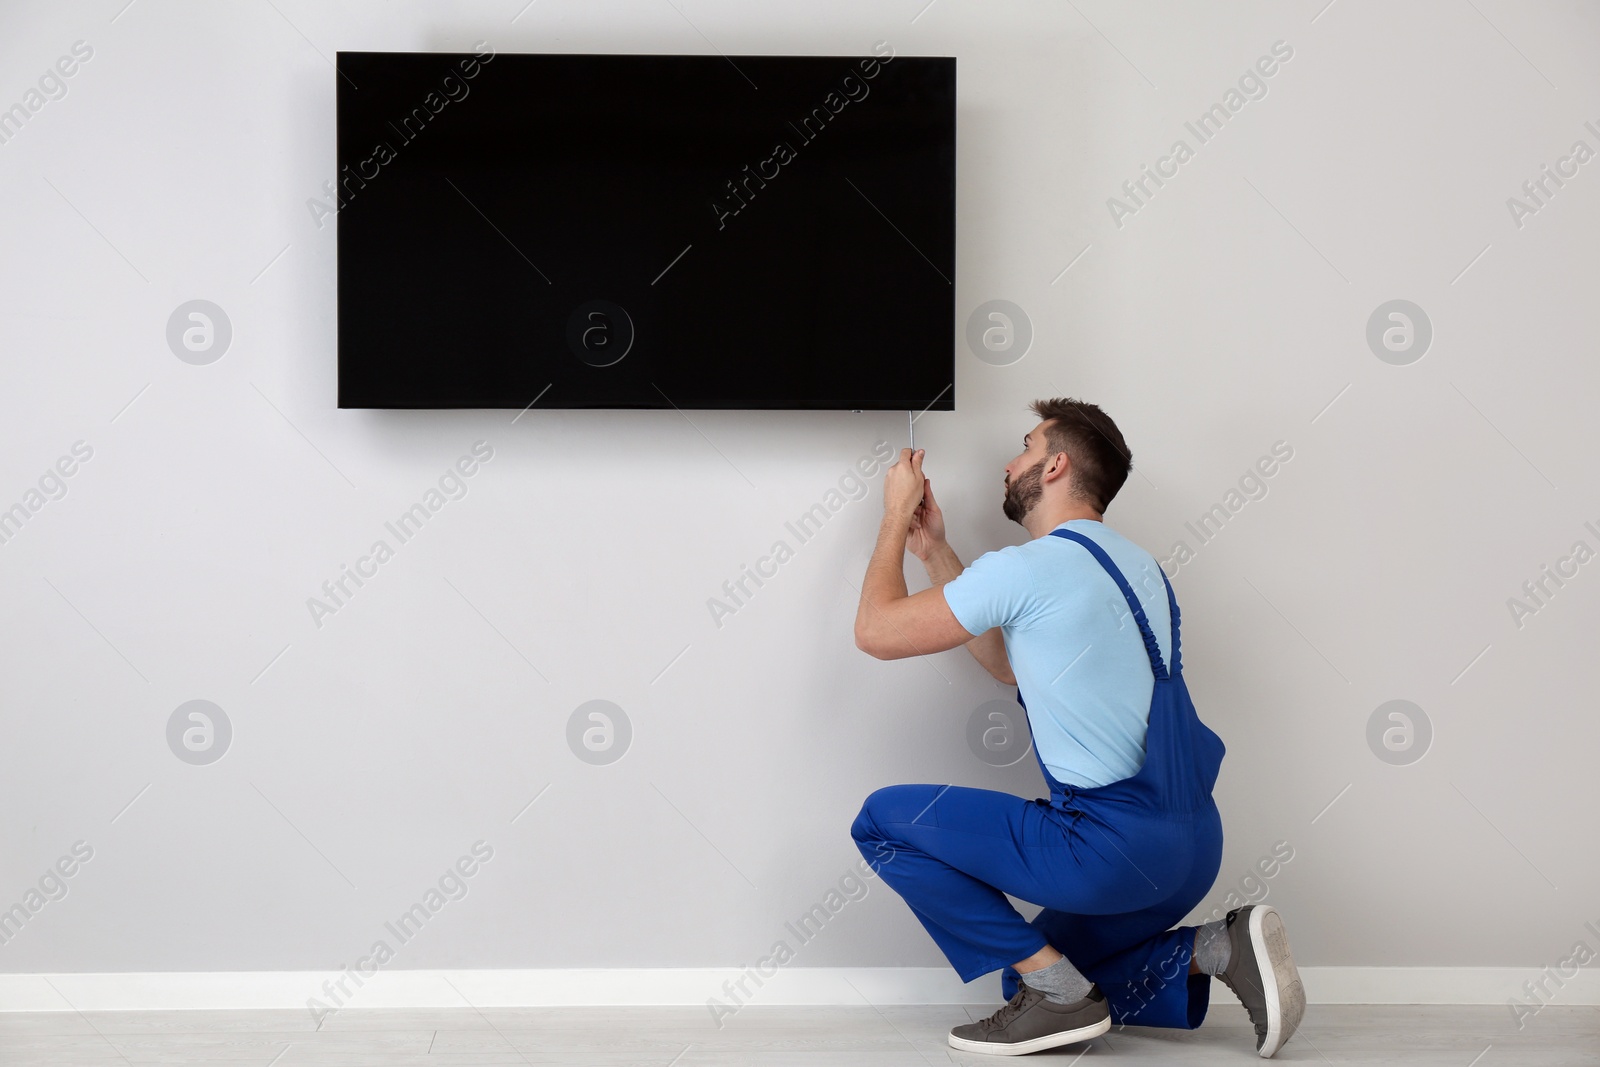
1262, 974
1031, 1021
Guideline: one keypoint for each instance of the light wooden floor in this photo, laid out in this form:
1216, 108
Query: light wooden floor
766, 1037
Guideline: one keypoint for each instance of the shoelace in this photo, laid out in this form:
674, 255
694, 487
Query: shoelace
1013, 1008
1259, 1023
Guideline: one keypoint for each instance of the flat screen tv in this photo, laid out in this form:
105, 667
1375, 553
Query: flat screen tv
645, 231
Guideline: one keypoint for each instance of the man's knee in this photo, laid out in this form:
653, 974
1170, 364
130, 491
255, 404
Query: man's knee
885, 807
865, 827
876, 847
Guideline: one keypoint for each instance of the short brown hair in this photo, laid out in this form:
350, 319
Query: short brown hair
1099, 456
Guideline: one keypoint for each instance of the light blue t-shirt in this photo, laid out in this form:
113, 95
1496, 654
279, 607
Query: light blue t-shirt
1073, 644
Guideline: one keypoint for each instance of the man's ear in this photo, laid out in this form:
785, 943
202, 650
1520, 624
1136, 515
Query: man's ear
1060, 466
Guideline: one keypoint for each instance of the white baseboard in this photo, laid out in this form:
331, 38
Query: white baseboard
306, 990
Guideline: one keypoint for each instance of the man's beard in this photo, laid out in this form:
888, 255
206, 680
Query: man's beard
1023, 492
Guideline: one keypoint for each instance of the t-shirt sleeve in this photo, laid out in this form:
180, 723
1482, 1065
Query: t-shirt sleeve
997, 589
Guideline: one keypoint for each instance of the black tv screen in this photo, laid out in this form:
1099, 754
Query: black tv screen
645, 231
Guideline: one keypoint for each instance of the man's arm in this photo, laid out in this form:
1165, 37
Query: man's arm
892, 625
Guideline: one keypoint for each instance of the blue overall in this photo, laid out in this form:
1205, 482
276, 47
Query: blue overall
1113, 866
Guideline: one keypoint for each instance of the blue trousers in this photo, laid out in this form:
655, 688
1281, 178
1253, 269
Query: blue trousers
1112, 879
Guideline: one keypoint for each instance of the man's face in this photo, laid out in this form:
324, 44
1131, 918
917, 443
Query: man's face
1024, 475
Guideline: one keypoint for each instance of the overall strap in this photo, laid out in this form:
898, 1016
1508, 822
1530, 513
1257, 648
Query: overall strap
1172, 604
1154, 649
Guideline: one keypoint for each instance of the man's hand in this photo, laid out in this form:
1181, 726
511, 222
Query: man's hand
926, 535
907, 491
890, 624
903, 486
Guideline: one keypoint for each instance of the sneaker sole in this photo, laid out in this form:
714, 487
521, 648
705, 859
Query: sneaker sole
1286, 997
1037, 1044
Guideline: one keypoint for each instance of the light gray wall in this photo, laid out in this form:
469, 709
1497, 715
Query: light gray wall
1227, 314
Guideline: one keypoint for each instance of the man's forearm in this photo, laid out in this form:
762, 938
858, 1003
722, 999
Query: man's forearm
886, 575
988, 648
943, 564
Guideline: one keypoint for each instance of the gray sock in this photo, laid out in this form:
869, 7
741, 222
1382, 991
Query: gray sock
1213, 949
1061, 982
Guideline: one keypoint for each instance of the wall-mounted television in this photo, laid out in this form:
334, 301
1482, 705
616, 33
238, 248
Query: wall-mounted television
645, 231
